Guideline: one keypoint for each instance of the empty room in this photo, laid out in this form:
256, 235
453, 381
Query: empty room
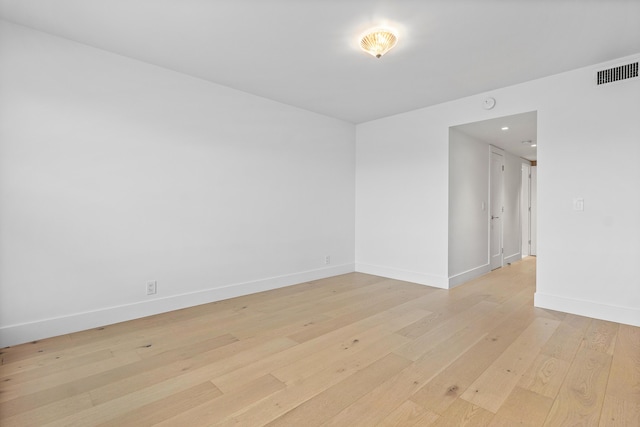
319, 213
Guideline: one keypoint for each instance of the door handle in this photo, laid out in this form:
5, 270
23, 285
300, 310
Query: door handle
494, 217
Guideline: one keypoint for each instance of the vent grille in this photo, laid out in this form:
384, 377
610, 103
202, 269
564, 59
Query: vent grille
614, 74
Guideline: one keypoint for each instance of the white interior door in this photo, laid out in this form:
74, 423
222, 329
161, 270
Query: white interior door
496, 208
525, 210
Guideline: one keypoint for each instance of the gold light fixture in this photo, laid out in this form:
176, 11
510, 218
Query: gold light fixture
378, 41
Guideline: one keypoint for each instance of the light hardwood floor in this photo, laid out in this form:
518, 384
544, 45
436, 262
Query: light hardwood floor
353, 350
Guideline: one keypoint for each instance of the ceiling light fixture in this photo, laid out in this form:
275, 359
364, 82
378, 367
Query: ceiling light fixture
378, 41
505, 128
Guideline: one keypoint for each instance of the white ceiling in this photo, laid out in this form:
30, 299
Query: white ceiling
521, 127
305, 52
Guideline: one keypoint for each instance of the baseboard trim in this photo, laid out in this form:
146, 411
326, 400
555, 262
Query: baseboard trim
513, 258
31, 331
404, 275
596, 310
460, 278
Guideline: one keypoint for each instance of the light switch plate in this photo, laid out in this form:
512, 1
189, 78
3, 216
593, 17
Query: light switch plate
578, 204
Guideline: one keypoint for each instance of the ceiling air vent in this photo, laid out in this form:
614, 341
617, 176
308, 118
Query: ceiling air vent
614, 74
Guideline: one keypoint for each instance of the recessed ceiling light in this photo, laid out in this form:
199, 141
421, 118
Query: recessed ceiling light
534, 145
505, 128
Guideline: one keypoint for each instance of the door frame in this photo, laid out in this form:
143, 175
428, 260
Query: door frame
496, 261
525, 211
533, 248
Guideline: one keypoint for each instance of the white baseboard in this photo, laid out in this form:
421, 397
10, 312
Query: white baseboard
463, 277
596, 310
404, 275
31, 331
512, 258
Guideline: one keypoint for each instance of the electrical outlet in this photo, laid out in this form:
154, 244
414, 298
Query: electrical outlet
152, 287
327, 260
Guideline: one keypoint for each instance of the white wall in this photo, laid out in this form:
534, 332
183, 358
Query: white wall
468, 207
587, 147
402, 197
114, 172
588, 260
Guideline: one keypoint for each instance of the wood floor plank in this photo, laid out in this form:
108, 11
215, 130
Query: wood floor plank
564, 343
601, 336
107, 370
408, 414
624, 380
389, 395
340, 349
619, 413
286, 328
423, 343
442, 312
137, 335
581, 396
520, 354
68, 376
307, 358
422, 326
522, 408
439, 393
155, 412
46, 413
399, 291
281, 298
309, 386
55, 363
33, 400
355, 315
545, 376
68, 369
141, 398
333, 293
195, 330
493, 316
492, 388
462, 414
317, 410
38, 349
129, 377
220, 408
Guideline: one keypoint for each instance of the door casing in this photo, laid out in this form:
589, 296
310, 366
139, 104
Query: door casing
496, 207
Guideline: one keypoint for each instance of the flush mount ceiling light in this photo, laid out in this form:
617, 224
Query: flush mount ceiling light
378, 41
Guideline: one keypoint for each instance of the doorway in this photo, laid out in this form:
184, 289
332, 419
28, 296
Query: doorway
496, 208
489, 194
